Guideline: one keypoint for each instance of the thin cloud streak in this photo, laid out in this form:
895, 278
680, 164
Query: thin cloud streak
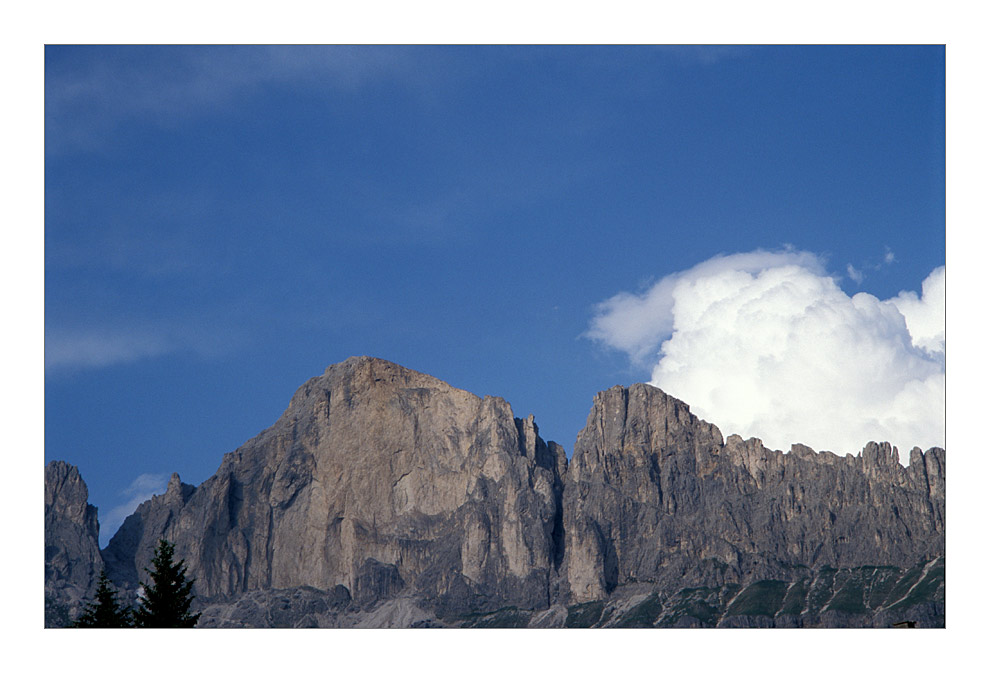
84, 104
854, 274
69, 351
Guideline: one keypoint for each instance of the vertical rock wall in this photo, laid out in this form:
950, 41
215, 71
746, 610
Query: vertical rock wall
379, 479
381, 483
72, 550
653, 494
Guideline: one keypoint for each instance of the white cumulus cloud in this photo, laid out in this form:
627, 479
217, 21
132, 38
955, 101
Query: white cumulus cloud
925, 316
637, 324
765, 344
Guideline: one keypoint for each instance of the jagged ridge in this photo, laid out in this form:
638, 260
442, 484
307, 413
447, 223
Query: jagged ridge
387, 487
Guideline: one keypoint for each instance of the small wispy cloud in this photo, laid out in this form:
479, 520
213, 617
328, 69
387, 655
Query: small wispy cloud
73, 350
88, 97
854, 274
707, 54
858, 274
142, 488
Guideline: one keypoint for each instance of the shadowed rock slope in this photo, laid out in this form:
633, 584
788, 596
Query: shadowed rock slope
653, 494
385, 497
72, 550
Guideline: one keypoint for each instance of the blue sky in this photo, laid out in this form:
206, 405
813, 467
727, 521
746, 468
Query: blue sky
223, 223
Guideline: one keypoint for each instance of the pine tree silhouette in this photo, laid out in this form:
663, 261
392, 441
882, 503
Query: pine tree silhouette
104, 612
166, 601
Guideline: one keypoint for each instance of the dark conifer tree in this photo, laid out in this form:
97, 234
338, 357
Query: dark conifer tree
166, 601
104, 612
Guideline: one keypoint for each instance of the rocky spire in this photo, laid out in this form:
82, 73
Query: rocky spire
72, 550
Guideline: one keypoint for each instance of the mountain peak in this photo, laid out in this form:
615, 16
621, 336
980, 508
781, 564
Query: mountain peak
382, 486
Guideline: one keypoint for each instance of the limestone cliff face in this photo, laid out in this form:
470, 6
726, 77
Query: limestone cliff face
384, 496
72, 551
654, 495
377, 478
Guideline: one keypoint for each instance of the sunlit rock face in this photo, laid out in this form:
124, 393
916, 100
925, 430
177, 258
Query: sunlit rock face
379, 479
386, 497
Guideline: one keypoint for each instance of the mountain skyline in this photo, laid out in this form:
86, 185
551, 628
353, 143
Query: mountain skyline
384, 497
222, 222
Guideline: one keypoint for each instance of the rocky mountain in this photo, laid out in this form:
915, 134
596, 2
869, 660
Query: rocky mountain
72, 551
654, 495
385, 497
377, 478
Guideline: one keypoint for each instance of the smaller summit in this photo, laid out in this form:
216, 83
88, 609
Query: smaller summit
654, 495
72, 550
